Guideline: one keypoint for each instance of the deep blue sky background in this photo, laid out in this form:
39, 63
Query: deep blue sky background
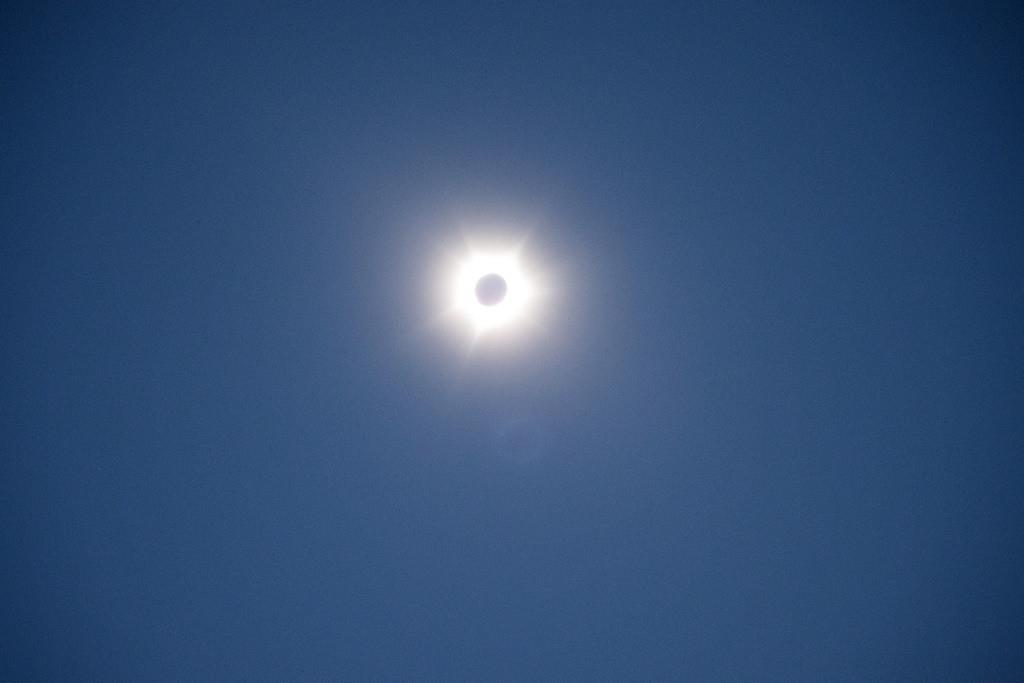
779, 415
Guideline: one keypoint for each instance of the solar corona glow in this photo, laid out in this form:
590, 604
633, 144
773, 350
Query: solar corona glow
491, 290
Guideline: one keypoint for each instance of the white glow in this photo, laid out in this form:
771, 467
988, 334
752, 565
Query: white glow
511, 310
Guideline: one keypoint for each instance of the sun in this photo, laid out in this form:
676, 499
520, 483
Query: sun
491, 290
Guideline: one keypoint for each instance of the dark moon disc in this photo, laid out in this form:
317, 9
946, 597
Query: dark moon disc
491, 289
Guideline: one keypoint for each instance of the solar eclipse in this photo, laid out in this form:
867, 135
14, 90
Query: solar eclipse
491, 290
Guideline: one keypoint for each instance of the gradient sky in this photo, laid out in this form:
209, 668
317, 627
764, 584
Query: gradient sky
770, 429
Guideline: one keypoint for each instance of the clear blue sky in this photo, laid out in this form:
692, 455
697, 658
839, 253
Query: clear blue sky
776, 429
